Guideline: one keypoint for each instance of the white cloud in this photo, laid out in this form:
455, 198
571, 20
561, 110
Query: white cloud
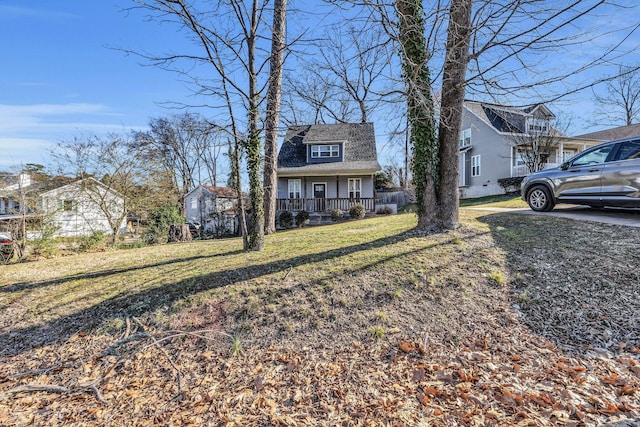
28, 132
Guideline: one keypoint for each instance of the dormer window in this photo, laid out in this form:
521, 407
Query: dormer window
325, 151
537, 126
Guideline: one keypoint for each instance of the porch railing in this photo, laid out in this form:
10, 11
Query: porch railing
523, 170
324, 205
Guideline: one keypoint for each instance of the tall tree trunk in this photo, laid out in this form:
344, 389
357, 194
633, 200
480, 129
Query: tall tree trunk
420, 110
253, 145
453, 88
273, 114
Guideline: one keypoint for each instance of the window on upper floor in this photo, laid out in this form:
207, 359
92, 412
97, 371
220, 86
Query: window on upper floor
67, 205
537, 126
295, 188
325, 151
465, 138
194, 202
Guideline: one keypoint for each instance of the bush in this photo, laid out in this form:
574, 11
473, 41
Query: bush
511, 185
357, 211
336, 215
285, 219
386, 210
92, 242
161, 219
302, 218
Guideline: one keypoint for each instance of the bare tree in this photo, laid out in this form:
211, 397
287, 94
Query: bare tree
184, 147
348, 77
537, 146
278, 44
621, 102
229, 42
114, 168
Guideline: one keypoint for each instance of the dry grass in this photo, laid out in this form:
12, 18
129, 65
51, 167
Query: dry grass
367, 307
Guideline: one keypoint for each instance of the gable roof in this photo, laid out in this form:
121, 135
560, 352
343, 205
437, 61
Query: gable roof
613, 133
221, 191
78, 184
359, 152
507, 119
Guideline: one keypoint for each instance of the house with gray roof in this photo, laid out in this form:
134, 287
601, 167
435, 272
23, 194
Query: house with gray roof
327, 166
214, 208
496, 142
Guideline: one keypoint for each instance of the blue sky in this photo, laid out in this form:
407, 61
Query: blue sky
63, 75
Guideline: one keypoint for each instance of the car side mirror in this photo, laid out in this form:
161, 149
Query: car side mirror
564, 166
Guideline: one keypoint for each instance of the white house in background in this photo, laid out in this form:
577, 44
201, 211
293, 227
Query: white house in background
492, 144
82, 208
10, 186
215, 208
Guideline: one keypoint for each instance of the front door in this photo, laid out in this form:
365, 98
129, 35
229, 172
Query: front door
319, 194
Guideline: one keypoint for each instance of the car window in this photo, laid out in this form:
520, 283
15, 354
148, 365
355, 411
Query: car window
593, 157
629, 150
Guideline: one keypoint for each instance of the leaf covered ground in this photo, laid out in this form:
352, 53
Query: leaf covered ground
509, 320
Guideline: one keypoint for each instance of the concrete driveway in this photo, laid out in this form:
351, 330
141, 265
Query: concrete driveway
626, 217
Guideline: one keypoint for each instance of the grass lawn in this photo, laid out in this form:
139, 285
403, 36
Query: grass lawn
508, 319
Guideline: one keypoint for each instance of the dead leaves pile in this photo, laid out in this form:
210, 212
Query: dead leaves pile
500, 377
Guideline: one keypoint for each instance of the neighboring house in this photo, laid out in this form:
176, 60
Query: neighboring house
82, 208
613, 133
327, 166
215, 208
10, 186
495, 140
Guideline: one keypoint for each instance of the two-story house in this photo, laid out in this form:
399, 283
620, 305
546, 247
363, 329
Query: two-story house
214, 208
498, 141
327, 166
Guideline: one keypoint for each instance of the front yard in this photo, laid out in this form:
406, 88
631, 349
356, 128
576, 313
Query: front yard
510, 319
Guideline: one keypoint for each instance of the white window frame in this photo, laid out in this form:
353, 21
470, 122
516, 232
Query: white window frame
465, 138
354, 187
325, 151
194, 202
294, 188
475, 165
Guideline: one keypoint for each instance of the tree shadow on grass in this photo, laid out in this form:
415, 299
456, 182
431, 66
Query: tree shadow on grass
22, 286
59, 330
575, 282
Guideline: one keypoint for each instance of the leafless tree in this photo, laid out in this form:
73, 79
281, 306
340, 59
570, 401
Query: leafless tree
274, 93
111, 161
229, 41
498, 49
348, 78
621, 101
536, 147
184, 147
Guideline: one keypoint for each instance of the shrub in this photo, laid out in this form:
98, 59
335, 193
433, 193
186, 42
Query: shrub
302, 218
285, 219
357, 211
336, 215
385, 210
161, 219
91, 242
511, 185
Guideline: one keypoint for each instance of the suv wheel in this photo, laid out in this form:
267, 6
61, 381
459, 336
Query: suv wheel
539, 199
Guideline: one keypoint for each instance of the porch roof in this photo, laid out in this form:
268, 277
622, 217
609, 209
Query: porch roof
335, 168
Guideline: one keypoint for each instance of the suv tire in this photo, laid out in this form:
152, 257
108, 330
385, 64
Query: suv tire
539, 199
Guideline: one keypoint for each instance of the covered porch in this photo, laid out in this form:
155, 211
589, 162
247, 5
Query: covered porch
323, 204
